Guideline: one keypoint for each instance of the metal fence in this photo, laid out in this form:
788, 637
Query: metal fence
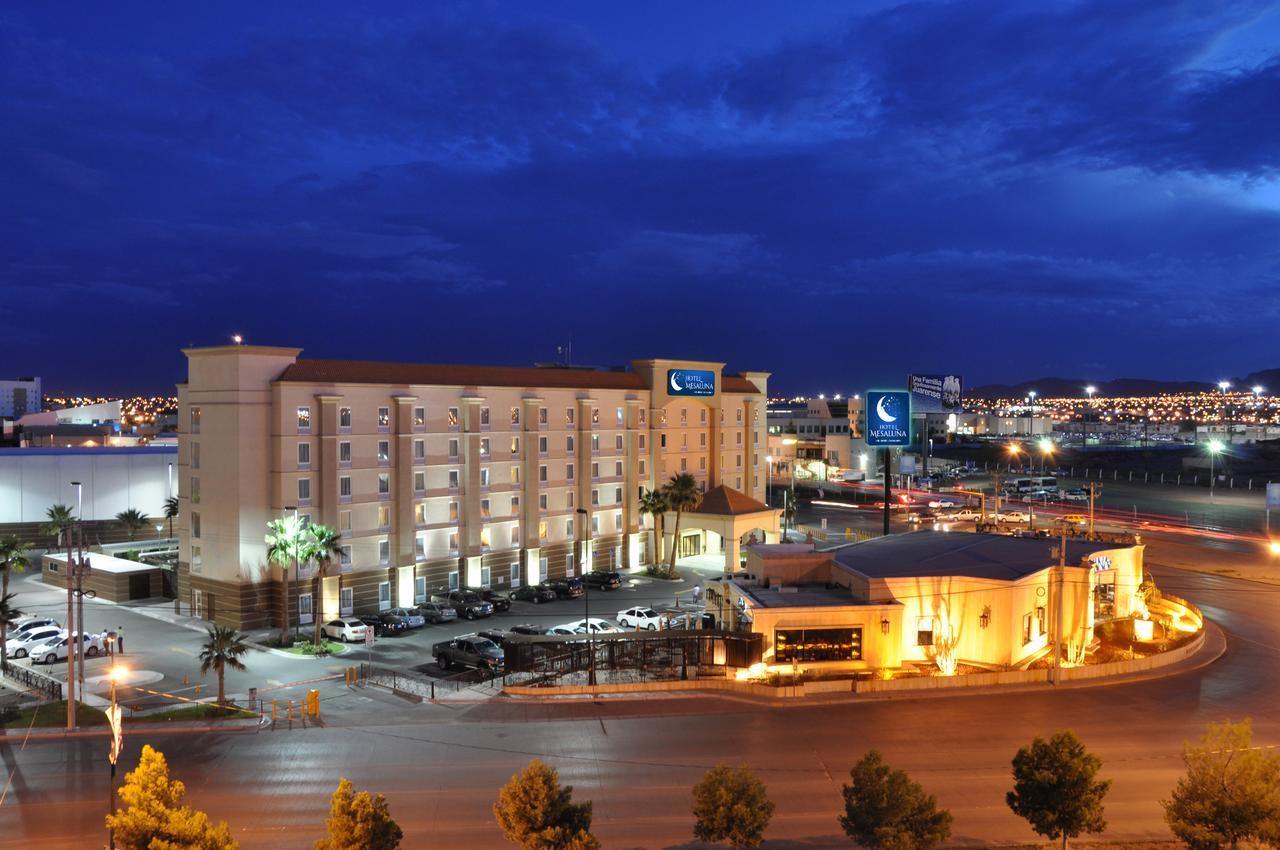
428, 687
632, 656
34, 680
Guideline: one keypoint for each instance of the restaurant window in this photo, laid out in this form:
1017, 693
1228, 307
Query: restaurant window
924, 631
795, 645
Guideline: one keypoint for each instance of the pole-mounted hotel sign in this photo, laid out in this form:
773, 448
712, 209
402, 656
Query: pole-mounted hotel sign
888, 418
691, 382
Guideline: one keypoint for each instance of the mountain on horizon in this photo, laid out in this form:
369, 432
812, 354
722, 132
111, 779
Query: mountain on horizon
1119, 387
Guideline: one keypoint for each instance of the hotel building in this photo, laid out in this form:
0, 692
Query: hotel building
447, 475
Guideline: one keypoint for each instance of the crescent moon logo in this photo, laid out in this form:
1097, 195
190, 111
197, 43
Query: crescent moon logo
675, 385
882, 413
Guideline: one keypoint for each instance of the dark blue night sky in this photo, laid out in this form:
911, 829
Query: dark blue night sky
838, 193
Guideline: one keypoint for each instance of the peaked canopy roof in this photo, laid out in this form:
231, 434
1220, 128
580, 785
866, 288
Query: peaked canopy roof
726, 501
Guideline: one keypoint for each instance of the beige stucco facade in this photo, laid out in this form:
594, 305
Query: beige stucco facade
436, 475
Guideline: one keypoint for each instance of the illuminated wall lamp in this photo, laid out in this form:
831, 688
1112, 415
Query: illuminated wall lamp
884, 625
984, 619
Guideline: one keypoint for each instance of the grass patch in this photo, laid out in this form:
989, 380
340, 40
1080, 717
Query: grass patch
306, 647
200, 711
55, 714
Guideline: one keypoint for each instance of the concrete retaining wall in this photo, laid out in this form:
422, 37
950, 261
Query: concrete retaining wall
922, 683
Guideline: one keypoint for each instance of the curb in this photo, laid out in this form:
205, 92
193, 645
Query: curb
244, 725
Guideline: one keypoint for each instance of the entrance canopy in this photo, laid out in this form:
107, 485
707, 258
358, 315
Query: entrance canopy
731, 516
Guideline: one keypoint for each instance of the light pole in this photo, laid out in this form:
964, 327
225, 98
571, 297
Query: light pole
1084, 439
117, 741
1014, 451
1215, 446
581, 514
297, 541
1046, 450
768, 482
1031, 412
1223, 386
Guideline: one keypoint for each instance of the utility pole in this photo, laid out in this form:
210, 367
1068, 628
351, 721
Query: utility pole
1093, 493
888, 493
1062, 592
71, 630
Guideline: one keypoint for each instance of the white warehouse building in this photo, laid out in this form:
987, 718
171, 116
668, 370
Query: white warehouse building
112, 479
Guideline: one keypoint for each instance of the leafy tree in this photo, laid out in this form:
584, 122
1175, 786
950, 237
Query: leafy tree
13, 558
1055, 789
223, 649
885, 810
284, 548
132, 521
655, 504
1230, 793
321, 544
9, 615
59, 519
682, 495
359, 822
153, 816
731, 804
537, 813
171, 511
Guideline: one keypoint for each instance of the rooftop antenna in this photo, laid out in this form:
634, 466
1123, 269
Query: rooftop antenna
566, 352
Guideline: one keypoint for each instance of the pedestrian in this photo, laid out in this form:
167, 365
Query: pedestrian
120, 638
697, 593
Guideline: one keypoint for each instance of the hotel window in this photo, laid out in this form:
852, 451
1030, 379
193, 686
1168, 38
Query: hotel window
484, 417
419, 418
542, 502
542, 445
420, 482
420, 546
642, 442
595, 470
484, 538
420, 513
702, 463
568, 528
195, 524
515, 535
195, 488
195, 455
484, 447
542, 416
384, 484
515, 475
617, 468
642, 416
515, 445
738, 436
420, 589
197, 562
515, 416
344, 417
739, 414
568, 472
662, 440
684, 416
453, 479
344, 452
568, 416
595, 444
384, 418
595, 524
617, 442
722, 440
453, 417
484, 477
542, 473
384, 451
384, 595
642, 467
344, 487
702, 415
453, 580
453, 512
515, 505
515, 573
453, 543
304, 454
346, 601
419, 450
620, 417
595, 497
344, 520
304, 490
817, 645
595, 416
924, 631
384, 551
542, 530
739, 457
384, 516
684, 464
568, 567
568, 443
617, 495
344, 556
737, 483
453, 448
617, 521
702, 439
304, 419
195, 420
485, 577
568, 499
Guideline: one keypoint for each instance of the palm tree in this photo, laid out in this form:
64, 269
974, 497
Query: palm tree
322, 546
132, 521
654, 503
222, 650
9, 615
60, 518
682, 494
13, 557
171, 511
284, 542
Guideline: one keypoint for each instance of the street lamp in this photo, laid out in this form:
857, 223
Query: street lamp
768, 482
1046, 449
1275, 547
581, 513
1014, 451
1215, 447
117, 741
1084, 440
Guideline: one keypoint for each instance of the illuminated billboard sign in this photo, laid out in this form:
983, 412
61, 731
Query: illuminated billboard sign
691, 382
888, 418
935, 393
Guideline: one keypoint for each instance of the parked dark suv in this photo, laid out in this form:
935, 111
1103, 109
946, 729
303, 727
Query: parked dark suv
467, 603
499, 602
566, 588
603, 580
534, 593
384, 625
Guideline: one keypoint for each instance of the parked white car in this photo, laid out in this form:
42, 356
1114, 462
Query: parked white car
595, 626
31, 623
640, 617
20, 645
347, 629
561, 631
1013, 516
55, 649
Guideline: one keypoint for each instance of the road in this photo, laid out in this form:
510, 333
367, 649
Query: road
440, 766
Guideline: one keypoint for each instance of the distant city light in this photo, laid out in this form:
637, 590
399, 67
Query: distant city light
237, 339
1224, 385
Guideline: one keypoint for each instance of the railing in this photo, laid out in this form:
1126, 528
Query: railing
425, 687
630, 656
34, 680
